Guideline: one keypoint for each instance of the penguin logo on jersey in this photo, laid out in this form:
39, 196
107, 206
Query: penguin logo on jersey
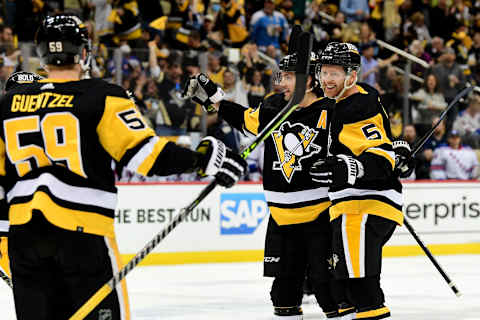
293, 143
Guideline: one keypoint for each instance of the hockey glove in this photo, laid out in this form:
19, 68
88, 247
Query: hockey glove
204, 91
221, 162
337, 171
404, 162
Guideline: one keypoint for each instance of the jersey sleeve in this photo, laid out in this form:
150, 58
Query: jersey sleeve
124, 134
370, 141
249, 120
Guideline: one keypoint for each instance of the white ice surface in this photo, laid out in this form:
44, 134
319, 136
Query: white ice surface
414, 290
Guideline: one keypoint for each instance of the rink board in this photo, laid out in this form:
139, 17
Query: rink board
229, 225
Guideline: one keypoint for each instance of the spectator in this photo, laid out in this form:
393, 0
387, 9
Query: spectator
367, 38
234, 88
178, 111
214, 68
474, 52
417, 49
231, 20
467, 124
440, 20
435, 141
369, 70
268, 27
430, 101
436, 48
421, 29
454, 161
449, 75
355, 10
255, 88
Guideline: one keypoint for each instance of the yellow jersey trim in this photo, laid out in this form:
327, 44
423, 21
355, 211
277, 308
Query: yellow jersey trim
375, 207
147, 164
251, 119
372, 313
64, 218
284, 216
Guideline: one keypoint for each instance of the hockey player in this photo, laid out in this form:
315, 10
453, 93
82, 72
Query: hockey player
365, 192
15, 79
59, 137
298, 231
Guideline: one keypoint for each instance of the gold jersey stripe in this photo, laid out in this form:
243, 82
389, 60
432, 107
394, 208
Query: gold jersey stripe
353, 134
353, 234
383, 154
124, 303
69, 219
4, 261
374, 207
147, 164
2, 158
284, 216
372, 314
251, 119
115, 135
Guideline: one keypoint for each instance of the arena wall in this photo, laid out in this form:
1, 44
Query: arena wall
229, 225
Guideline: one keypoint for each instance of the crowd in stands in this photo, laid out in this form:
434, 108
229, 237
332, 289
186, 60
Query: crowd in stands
150, 47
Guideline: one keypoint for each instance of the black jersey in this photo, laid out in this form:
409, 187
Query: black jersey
289, 153
58, 141
360, 128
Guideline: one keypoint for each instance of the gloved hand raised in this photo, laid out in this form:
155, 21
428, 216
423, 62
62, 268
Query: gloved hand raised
219, 161
204, 91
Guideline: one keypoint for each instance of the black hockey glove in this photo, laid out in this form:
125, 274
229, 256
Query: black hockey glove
337, 171
219, 161
404, 162
204, 91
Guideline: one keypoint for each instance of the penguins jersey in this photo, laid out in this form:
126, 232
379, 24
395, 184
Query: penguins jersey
58, 141
289, 153
360, 128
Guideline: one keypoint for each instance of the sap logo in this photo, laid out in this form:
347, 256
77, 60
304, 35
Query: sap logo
241, 213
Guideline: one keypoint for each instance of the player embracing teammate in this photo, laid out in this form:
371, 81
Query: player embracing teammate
360, 173
330, 182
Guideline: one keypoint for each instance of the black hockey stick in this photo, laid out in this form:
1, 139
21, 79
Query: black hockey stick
301, 74
6, 278
417, 148
447, 279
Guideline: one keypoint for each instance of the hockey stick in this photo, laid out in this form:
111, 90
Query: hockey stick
447, 279
301, 75
6, 278
417, 148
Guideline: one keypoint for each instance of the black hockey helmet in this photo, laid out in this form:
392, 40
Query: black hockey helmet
289, 63
20, 77
341, 54
61, 39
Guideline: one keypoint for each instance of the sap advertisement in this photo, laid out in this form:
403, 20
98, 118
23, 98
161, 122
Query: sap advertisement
236, 219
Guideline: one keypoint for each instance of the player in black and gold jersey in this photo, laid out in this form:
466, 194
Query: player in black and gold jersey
14, 80
58, 139
298, 232
366, 195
